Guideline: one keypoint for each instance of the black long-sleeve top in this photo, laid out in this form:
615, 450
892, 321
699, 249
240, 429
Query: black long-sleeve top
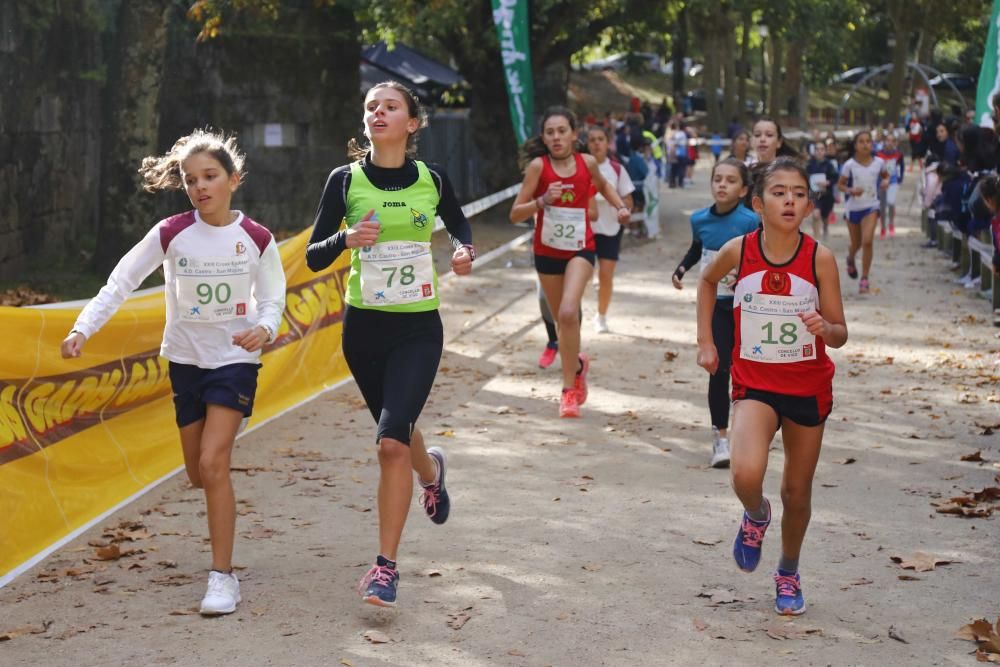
326, 242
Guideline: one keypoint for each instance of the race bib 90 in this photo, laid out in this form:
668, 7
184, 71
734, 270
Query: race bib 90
564, 228
396, 272
212, 289
771, 331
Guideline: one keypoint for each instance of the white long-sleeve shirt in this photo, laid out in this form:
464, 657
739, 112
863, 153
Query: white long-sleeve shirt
219, 280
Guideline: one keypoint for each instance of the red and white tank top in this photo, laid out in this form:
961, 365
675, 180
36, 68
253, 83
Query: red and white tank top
563, 229
773, 351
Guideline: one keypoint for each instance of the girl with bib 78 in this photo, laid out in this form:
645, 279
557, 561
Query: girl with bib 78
787, 309
393, 337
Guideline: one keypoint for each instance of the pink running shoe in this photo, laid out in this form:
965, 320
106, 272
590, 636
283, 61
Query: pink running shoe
569, 403
548, 355
580, 383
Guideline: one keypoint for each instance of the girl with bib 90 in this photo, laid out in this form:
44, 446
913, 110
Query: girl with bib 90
393, 337
786, 308
225, 292
557, 189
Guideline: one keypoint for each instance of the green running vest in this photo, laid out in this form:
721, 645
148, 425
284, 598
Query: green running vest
404, 215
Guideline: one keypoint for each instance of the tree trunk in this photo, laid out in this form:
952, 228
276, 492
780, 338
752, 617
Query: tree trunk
897, 76
131, 126
776, 51
551, 85
678, 51
729, 109
710, 74
793, 81
744, 68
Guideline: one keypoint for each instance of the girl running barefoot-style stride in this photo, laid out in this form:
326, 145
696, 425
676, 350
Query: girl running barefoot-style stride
225, 292
711, 228
861, 177
393, 337
787, 309
557, 190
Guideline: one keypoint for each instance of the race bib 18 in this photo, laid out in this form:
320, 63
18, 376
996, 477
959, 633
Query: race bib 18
564, 228
396, 272
212, 289
771, 331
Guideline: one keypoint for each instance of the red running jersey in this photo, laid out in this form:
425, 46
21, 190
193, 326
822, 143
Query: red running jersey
564, 237
773, 351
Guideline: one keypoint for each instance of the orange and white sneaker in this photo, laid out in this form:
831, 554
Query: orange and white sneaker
569, 403
580, 383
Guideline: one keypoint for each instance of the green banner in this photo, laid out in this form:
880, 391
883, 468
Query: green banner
511, 19
989, 75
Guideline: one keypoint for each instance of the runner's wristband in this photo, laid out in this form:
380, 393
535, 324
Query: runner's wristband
679, 272
472, 250
267, 330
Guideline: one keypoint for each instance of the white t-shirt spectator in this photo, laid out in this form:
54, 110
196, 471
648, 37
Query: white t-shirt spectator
607, 215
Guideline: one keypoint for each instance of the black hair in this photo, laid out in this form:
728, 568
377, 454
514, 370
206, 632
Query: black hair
989, 189
738, 165
534, 146
779, 164
163, 172
979, 147
356, 150
784, 149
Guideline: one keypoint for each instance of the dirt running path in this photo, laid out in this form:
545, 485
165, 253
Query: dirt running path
587, 542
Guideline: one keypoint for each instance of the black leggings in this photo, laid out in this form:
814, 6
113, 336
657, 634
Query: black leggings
718, 384
394, 358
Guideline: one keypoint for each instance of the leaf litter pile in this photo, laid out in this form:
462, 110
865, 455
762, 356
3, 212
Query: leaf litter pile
974, 504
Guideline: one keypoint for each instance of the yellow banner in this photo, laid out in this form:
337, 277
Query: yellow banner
80, 436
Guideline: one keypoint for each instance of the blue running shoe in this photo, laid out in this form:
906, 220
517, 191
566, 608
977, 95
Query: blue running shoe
435, 498
788, 600
378, 587
750, 536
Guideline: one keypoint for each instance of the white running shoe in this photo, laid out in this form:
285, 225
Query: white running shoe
720, 453
601, 324
222, 595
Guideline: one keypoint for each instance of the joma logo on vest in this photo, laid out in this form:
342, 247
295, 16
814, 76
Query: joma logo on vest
394, 204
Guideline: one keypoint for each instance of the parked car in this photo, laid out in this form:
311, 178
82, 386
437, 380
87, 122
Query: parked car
852, 75
691, 68
621, 61
960, 81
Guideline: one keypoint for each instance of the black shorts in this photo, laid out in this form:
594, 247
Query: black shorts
552, 266
394, 359
608, 247
803, 410
232, 386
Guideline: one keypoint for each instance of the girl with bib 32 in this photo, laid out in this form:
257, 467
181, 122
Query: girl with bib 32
393, 335
557, 189
225, 292
787, 309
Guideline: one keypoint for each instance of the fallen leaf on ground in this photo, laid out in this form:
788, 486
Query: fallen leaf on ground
376, 637
920, 561
184, 612
514, 652
719, 596
908, 577
708, 542
895, 634
447, 434
787, 630
669, 355
110, 552
457, 620
846, 461
975, 456
593, 567
986, 636
346, 662
25, 630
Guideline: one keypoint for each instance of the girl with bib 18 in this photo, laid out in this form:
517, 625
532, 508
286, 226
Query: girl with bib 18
787, 309
557, 189
225, 292
387, 202
711, 227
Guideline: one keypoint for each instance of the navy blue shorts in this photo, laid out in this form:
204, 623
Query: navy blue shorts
553, 266
608, 247
232, 386
855, 217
